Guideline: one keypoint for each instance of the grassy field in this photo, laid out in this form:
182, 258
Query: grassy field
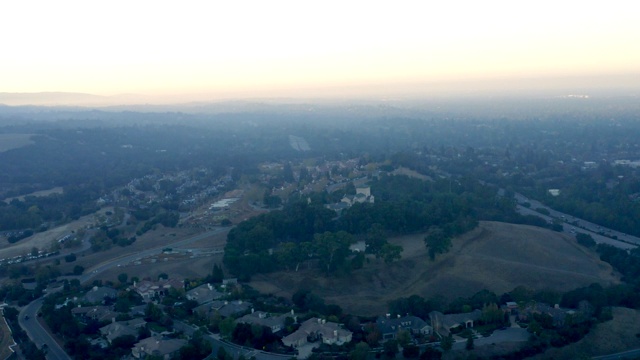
495, 256
14, 141
55, 190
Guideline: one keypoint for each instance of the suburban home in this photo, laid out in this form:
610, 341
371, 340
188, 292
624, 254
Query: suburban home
316, 329
157, 347
275, 323
444, 324
203, 294
100, 294
98, 313
389, 326
224, 308
556, 313
122, 328
150, 289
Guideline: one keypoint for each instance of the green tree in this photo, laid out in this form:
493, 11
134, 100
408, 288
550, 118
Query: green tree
122, 277
437, 242
227, 326
469, 345
391, 253
390, 349
360, 351
217, 275
447, 343
78, 270
403, 337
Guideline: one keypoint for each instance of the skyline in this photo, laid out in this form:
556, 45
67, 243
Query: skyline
197, 51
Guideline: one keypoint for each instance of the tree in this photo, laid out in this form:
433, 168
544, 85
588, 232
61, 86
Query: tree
469, 345
491, 314
360, 351
123, 278
403, 337
217, 275
391, 253
437, 242
78, 270
447, 343
410, 351
390, 349
227, 326
70, 258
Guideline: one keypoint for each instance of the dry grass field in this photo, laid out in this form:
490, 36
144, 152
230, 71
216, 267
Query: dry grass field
495, 256
55, 190
44, 239
14, 141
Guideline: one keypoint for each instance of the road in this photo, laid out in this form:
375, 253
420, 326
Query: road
623, 241
123, 260
629, 354
37, 333
28, 315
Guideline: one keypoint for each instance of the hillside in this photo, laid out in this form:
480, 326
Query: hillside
496, 256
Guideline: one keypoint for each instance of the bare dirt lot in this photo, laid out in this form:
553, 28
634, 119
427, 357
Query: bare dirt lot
495, 256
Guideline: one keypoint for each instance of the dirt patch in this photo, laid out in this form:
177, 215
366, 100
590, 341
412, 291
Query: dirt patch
494, 256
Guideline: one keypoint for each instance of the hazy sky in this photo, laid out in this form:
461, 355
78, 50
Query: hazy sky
229, 48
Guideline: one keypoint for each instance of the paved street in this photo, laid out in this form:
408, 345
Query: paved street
28, 316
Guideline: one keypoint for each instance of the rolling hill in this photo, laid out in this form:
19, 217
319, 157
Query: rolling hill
495, 256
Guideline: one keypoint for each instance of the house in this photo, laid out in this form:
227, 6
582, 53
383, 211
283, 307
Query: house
224, 308
390, 326
98, 313
316, 329
121, 328
157, 347
100, 294
203, 294
557, 314
275, 323
150, 289
444, 324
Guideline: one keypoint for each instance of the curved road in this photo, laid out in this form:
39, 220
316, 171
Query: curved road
28, 315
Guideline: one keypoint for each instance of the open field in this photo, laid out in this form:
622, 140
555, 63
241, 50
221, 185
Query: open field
55, 190
44, 239
495, 256
14, 141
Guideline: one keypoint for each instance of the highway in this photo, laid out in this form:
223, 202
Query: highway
574, 225
28, 315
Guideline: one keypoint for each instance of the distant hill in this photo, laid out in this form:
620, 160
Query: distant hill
495, 256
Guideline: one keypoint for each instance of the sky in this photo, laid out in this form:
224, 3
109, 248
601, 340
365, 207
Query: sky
224, 49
